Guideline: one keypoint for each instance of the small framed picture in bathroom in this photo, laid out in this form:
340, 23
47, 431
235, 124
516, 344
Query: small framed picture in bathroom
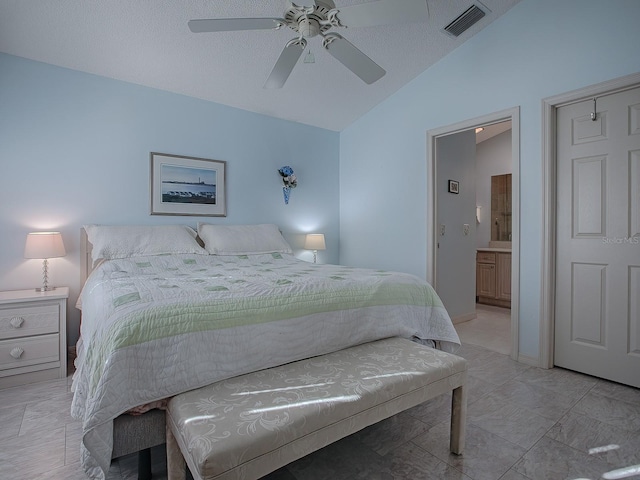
454, 186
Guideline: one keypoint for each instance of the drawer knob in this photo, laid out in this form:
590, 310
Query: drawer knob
16, 322
17, 352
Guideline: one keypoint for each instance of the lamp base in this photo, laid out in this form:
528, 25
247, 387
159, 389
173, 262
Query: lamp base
45, 289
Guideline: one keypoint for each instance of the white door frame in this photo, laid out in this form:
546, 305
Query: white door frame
512, 114
549, 107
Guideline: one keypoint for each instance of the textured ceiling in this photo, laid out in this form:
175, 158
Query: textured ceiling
147, 42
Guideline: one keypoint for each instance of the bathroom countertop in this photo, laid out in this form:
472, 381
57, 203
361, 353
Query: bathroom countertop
493, 249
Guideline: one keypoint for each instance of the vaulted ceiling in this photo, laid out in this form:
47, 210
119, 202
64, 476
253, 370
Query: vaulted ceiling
148, 42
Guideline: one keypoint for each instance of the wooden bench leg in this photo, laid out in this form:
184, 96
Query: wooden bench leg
458, 420
176, 466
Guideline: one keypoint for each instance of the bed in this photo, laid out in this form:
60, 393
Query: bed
161, 315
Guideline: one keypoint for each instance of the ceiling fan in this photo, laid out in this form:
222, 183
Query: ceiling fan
310, 18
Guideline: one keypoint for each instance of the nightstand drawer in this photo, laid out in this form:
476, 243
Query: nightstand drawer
29, 320
29, 351
486, 257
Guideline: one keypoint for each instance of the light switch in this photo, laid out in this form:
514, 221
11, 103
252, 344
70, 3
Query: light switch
442, 229
465, 229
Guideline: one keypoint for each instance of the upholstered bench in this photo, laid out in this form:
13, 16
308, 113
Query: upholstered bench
248, 426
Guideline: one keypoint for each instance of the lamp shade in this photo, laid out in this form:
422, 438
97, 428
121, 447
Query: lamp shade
314, 241
44, 245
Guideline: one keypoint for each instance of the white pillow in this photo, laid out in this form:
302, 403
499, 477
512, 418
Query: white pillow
242, 239
111, 241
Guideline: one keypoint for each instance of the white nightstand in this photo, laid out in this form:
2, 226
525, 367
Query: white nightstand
33, 336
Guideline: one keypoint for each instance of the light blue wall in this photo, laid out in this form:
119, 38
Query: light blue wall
74, 149
538, 49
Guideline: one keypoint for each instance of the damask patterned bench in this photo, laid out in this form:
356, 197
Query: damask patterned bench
248, 426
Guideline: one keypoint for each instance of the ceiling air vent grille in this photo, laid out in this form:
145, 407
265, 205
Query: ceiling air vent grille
465, 21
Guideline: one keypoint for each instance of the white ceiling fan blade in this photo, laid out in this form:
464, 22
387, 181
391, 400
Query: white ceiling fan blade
383, 12
234, 24
284, 66
352, 58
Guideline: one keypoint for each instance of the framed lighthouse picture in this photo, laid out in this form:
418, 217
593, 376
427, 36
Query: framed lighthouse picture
187, 186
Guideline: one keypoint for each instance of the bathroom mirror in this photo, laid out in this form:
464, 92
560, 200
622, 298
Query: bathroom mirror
501, 208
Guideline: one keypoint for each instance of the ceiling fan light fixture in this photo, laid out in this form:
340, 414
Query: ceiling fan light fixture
308, 27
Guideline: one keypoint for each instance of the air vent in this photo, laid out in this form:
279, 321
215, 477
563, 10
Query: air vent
465, 21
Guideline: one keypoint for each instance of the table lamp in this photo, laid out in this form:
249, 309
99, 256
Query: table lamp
44, 245
315, 242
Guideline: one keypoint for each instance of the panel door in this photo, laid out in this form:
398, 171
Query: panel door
597, 315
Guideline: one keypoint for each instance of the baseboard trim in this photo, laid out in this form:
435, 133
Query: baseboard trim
527, 360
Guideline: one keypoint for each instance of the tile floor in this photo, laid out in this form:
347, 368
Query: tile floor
523, 423
491, 329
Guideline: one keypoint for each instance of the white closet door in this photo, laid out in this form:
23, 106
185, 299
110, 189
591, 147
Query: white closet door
597, 316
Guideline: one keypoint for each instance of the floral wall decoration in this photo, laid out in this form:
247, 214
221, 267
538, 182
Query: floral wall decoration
289, 181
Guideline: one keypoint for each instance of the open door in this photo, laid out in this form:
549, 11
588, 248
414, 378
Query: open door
597, 295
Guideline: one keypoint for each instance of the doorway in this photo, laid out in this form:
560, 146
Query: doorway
433, 225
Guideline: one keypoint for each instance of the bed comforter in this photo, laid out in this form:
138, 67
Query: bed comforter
153, 327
